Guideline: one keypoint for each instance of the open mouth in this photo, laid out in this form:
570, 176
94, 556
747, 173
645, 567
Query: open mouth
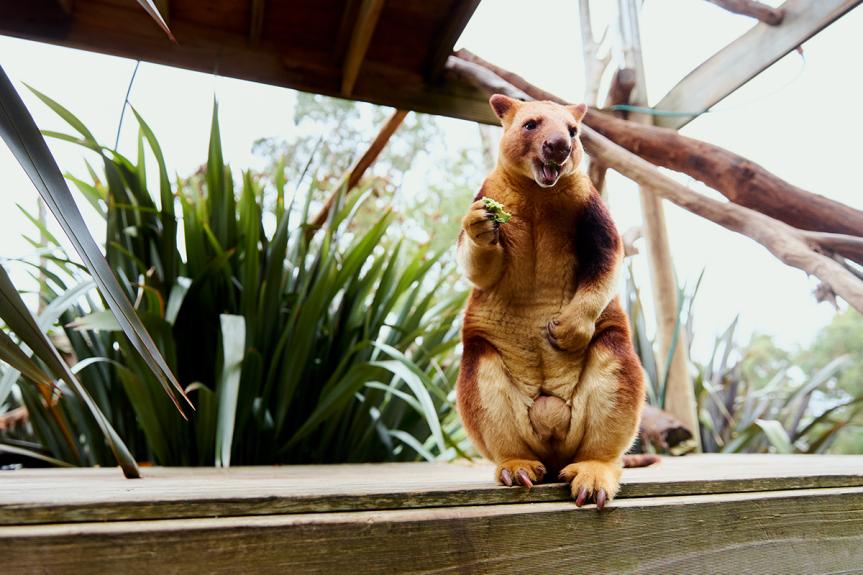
546, 173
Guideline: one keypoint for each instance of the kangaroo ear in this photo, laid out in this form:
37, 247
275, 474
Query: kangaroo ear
503, 104
578, 110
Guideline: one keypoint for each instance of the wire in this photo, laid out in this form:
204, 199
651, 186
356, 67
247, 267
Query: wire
672, 113
125, 103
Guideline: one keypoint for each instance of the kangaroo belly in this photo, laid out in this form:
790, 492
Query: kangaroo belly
550, 417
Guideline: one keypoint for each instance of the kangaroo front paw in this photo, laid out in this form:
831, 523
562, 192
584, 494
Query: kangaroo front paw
569, 335
524, 472
480, 226
596, 481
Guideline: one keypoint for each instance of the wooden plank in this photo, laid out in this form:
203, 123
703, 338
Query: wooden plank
32, 496
453, 26
746, 57
256, 20
805, 531
361, 37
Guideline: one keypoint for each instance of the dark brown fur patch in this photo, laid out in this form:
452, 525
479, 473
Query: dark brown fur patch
614, 335
596, 241
467, 388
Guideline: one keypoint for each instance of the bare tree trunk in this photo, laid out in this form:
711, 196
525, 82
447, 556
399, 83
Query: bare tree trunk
489, 156
673, 357
594, 64
361, 165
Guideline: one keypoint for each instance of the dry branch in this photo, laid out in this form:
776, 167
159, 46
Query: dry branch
594, 64
790, 245
740, 180
622, 84
361, 165
753, 9
660, 429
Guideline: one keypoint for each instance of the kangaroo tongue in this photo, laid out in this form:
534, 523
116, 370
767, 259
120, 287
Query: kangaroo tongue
550, 171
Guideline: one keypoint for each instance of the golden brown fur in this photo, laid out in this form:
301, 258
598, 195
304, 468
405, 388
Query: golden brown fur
550, 382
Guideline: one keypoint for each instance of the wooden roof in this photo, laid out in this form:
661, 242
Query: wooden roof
389, 52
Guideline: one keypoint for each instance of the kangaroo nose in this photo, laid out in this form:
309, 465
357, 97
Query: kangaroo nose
557, 149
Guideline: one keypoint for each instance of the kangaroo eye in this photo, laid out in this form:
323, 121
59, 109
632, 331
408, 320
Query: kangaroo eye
530, 125
573, 131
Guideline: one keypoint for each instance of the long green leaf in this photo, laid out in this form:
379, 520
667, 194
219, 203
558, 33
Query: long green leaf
19, 319
776, 434
233, 350
22, 136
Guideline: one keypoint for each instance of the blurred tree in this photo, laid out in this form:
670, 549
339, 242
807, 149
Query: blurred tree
423, 172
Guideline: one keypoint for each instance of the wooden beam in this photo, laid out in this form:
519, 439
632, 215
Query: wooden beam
453, 26
753, 9
361, 37
361, 165
30, 496
346, 28
125, 30
256, 20
68, 6
746, 57
796, 531
53, 17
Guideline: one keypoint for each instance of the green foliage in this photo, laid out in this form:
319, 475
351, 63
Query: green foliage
760, 398
293, 346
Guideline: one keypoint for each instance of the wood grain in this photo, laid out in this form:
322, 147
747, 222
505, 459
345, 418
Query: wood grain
804, 531
298, 46
361, 37
78, 495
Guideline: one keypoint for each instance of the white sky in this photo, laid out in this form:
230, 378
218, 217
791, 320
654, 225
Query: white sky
798, 120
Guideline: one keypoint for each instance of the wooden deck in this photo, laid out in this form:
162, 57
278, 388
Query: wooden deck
699, 514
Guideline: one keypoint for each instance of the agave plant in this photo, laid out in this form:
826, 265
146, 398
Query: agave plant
738, 410
292, 346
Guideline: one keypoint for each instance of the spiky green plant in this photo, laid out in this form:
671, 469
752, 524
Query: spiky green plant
293, 346
737, 411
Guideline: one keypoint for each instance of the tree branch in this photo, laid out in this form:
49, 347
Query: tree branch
594, 65
740, 180
361, 165
788, 244
753, 9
